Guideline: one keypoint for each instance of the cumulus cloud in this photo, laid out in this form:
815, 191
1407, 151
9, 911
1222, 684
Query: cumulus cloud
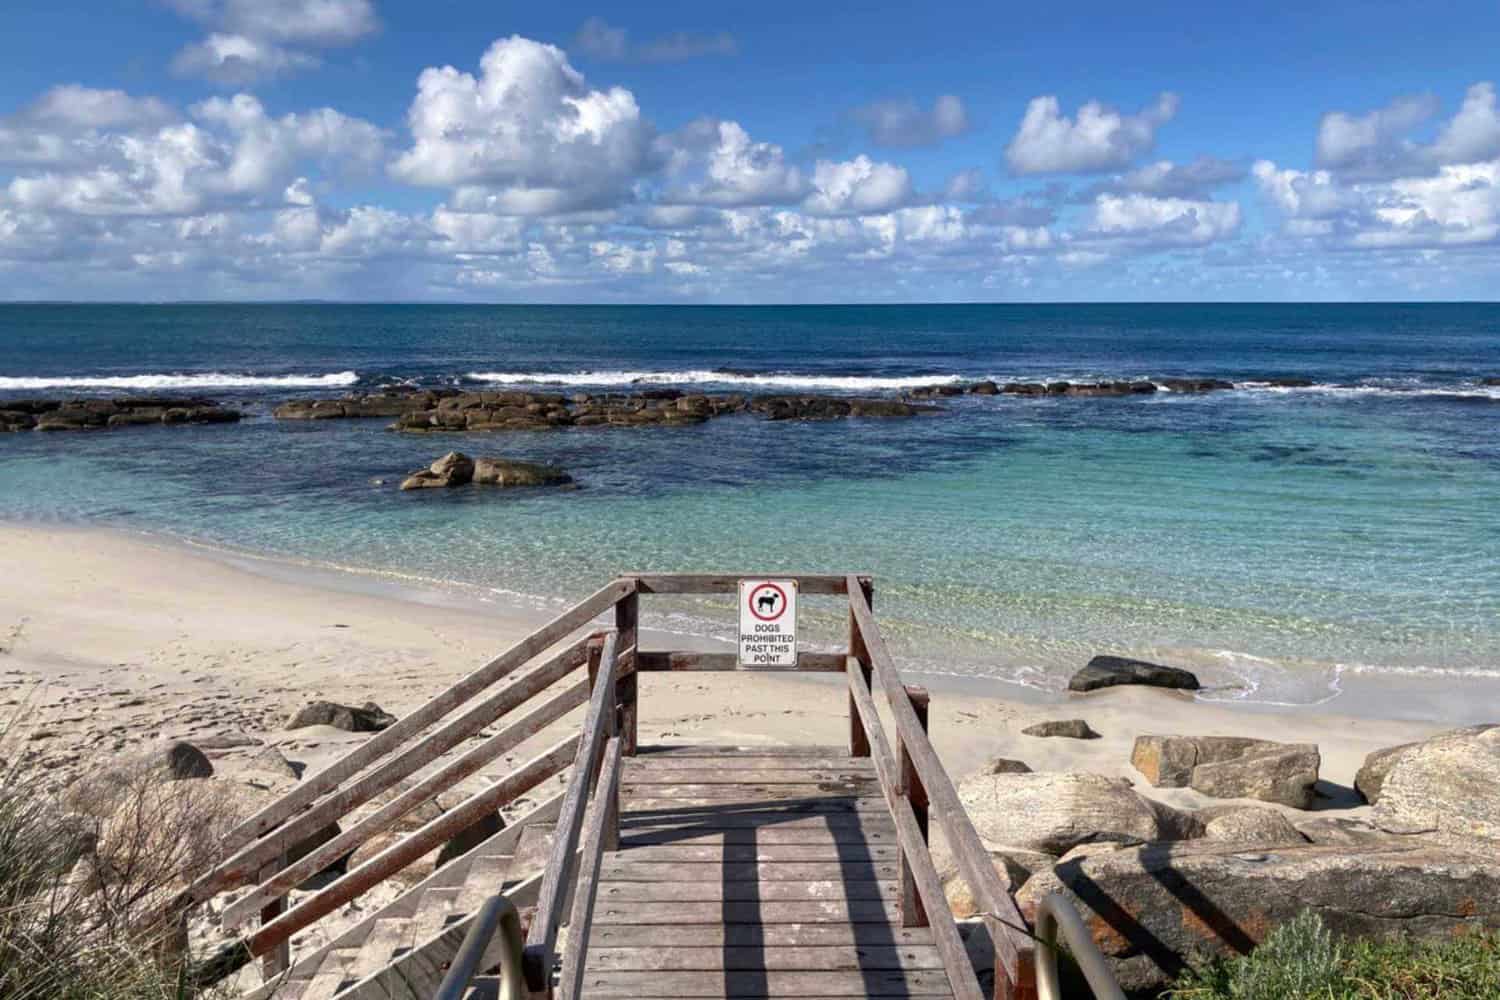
1375, 142
1164, 221
601, 40
719, 164
1178, 180
904, 123
527, 135
254, 40
857, 187
1099, 138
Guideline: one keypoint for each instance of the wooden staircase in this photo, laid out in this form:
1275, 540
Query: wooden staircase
705, 872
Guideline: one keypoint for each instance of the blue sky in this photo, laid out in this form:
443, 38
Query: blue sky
447, 150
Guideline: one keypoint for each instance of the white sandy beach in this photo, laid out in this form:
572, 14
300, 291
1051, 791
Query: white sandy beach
112, 641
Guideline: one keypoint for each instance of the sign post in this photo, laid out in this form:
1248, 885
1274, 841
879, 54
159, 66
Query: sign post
768, 623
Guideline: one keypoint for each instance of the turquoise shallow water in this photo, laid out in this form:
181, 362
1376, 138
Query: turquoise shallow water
1275, 540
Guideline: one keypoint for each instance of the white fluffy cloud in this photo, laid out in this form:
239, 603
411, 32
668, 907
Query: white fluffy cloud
1164, 221
253, 40
905, 123
717, 163
526, 136
858, 187
1099, 138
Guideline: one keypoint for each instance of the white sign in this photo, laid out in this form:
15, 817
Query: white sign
768, 623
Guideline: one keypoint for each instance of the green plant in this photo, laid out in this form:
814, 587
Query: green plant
1301, 960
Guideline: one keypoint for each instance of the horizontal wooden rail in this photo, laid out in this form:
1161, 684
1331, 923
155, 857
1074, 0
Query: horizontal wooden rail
1014, 951
411, 847
914, 848
238, 869
702, 583
600, 833
541, 940
427, 789
649, 661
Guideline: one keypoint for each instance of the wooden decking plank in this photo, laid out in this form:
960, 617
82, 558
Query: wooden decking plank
805, 789
789, 833
656, 750
750, 986
753, 958
766, 892
829, 911
718, 935
388, 940
833, 816
731, 770
733, 871
731, 853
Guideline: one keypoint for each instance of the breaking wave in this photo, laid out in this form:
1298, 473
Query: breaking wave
199, 380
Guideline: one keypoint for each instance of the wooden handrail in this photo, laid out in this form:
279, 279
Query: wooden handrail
709, 583
1012, 936
916, 857
382, 819
599, 724
600, 834
413, 846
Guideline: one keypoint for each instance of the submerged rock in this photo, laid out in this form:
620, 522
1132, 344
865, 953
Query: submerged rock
510, 472
99, 414
1108, 671
453, 469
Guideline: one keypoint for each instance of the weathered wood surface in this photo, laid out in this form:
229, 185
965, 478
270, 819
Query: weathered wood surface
683, 662
730, 753
423, 791
1013, 947
597, 832
606, 985
412, 847
704, 583
757, 881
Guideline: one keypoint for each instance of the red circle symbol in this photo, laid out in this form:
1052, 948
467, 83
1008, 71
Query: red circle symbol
770, 597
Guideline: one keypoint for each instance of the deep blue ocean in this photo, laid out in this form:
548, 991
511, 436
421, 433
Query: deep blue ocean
1274, 539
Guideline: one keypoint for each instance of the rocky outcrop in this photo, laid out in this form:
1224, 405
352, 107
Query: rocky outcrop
367, 718
1230, 767
1053, 813
1109, 671
1449, 784
1073, 729
179, 761
1372, 774
458, 469
509, 472
102, 414
1152, 909
1194, 384
1491, 380
453, 469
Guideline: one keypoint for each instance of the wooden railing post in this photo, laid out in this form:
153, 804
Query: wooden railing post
276, 961
627, 623
859, 740
912, 789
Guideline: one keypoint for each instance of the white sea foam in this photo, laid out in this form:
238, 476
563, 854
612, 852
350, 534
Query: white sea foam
1460, 390
197, 380
769, 380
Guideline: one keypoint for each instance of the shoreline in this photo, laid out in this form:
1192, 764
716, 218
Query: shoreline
1370, 693
137, 638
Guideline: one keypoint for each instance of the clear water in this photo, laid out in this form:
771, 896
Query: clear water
1273, 539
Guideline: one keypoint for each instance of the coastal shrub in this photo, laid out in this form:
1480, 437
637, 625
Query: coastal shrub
66, 932
1301, 960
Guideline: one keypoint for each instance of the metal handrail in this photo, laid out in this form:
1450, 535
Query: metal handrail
500, 914
1054, 913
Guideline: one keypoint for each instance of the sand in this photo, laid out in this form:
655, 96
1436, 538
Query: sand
110, 642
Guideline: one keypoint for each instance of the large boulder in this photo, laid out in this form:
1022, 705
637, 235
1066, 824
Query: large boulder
1154, 909
1053, 813
367, 718
1372, 774
1073, 729
1251, 825
509, 472
1449, 785
1230, 767
1108, 671
1285, 776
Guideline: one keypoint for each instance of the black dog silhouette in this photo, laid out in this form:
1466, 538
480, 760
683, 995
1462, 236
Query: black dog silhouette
766, 602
